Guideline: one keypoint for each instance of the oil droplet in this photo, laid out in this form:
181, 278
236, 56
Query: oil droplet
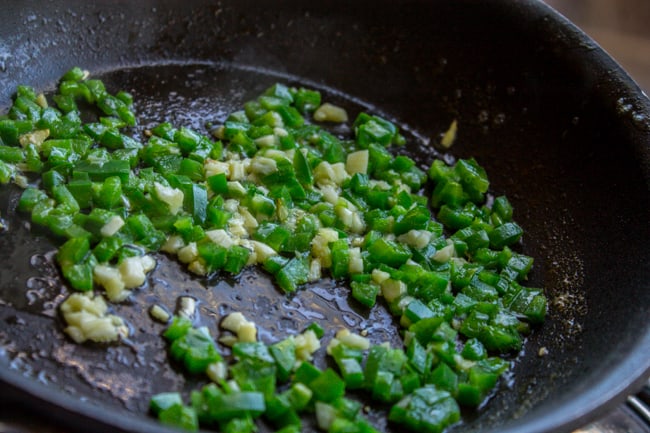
623, 106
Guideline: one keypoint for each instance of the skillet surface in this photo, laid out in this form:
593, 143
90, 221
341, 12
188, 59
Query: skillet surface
566, 142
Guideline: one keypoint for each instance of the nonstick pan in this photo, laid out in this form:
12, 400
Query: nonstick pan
560, 128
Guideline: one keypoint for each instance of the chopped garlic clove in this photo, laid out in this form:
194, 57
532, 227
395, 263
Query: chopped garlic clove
172, 197
87, 319
330, 113
112, 226
450, 135
159, 313
357, 162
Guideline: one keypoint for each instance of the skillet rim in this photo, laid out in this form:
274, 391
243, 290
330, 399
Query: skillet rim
628, 376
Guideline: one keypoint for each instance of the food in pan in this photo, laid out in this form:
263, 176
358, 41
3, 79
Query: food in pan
273, 187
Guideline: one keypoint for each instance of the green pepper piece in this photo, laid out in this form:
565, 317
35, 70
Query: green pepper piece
237, 259
274, 264
271, 103
473, 178
529, 302
501, 339
187, 139
164, 130
144, 231
217, 218
455, 218
73, 251
306, 372
125, 97
256, 351
110, 193
240, 425
65, 103
274, 235
415, 179
281, 92
298, 396
328, 386
352, 373
372, 131
389, 252
502, 208
307, 100
192, 169
483, 379
302, 169
29, 198
76, 89
293, 274
416, 218
113, 106
255, 375
80, 276
52, 178
318, 330
196, 350
237, 116
262, 205
41, 210
365, 293
386, 387
33, 161
180, 416
381, 359
26, 91
107, 248
178, 328
427, 409
340, 258
197, 202
74, 74
231, 129
11, 154
96, 88
444, 378
468, 395
163, 401
418, 357
218, 183
474, 350
99, 172
504, 235
331, 147
238, 405
480, 290
518, 266
188, 230
341, 425
82, 191
416, 311
290, 116
215, 256
59, 221
280, 413
284, 353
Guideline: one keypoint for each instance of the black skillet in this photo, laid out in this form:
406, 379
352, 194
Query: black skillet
561, 129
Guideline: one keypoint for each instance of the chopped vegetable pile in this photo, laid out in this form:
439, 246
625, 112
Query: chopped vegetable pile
272, 187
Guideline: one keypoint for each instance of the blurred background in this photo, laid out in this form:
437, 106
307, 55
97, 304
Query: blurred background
621, 27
